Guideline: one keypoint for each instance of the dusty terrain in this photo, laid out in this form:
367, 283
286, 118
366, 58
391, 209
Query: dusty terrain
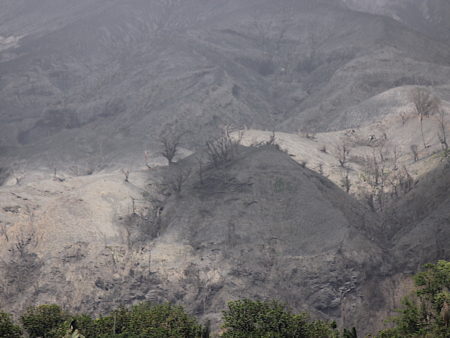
86, 89
393, 135
265, 226
253, 229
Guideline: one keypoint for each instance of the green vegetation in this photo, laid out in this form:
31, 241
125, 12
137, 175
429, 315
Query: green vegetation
40, 321
424, 314
148, 320
7, 328
143, 320
247, 318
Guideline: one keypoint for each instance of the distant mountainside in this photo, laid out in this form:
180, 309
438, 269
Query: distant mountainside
429, 16
103, 78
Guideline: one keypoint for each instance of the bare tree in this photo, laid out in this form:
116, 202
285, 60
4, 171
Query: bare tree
383, 179
133, 205
89, 165
170, 141
415, 151
223, 149
425, 104
22, 265
404, 118
395, 159
342, 152
320, 169
26, 239
401, 182
18, 172
272, 139
371, 176
23, 241
345, 179
80, 170
4, 230
376, 176
176, 178
201, 169
271, 142
442, 133
126, 174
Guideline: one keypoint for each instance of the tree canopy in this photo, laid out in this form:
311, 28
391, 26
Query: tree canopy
7, 327
248, 318
426, 312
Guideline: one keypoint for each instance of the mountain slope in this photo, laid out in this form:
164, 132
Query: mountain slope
106, 77
261, 227
422, 220
429, 16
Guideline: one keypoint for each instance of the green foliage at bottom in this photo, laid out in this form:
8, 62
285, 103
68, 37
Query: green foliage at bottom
139, 321
150, 320
247, 318
426, 312
7, 327
40, 321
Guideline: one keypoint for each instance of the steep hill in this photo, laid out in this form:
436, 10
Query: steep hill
421, 222
104, 77
261, 227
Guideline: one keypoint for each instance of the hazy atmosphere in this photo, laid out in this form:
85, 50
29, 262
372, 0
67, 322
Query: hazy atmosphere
224, 168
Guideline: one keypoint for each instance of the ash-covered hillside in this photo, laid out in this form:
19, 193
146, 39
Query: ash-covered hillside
421, 221
262, 226
429, 16
201, 151
104, 77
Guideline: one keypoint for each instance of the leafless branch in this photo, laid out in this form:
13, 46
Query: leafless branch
222, 149
425, 104
342, 152
442, 132
176, 178
126, 173
415, 152
170, 141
